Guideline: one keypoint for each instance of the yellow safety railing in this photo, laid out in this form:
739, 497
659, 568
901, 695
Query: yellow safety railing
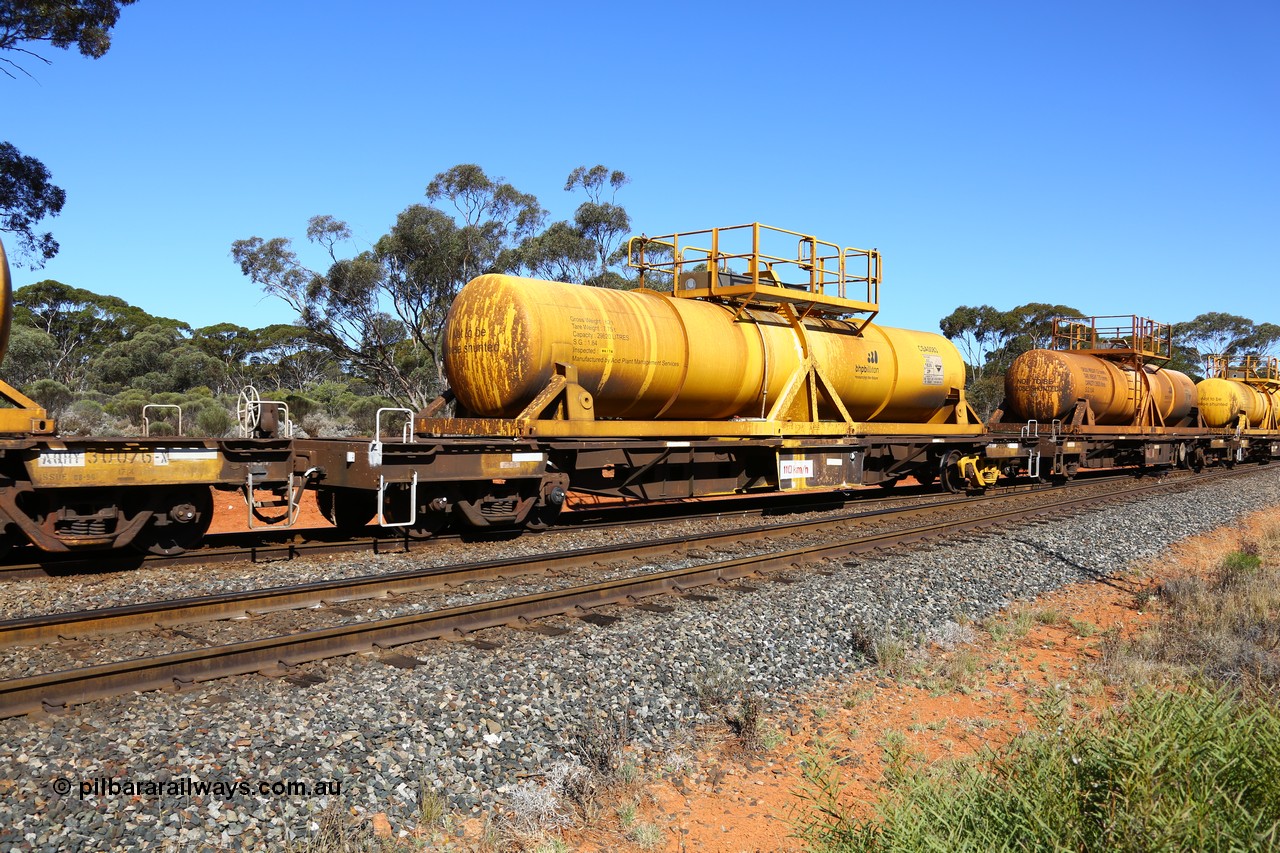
752, 263
1116, 336
1253, 369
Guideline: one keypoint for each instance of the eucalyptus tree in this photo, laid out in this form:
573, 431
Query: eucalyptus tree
1219, 334
80, 323
977, 331
285, 357
27, 196
381, 312
587, 248
990, 339
602, 223
27, 192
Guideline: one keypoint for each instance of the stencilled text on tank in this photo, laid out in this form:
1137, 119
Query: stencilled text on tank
587, 328
1095, 378
478, 344
593, 339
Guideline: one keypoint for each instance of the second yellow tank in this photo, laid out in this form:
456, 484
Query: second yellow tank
1045, 385
1222, 401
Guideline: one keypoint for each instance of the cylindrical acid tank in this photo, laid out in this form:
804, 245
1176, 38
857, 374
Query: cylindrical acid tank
1045, 385
6, 302
1222, 401
644, 355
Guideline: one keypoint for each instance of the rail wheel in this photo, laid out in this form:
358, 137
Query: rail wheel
182, 518
8, 541
432, 516
949, 473
542, 516
349, 510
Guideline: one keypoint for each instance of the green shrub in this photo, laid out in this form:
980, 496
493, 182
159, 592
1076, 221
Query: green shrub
364, 414
213, 421
1241, 562
84, 417
128, 404
1174, 770
53, 396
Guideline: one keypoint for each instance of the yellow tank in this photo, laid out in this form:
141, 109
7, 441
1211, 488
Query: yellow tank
19, 414
6, 302
1044, 385
1222, 401
645, 355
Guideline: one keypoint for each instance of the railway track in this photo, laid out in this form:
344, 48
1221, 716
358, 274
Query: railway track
276, 546
282, 654
283, 546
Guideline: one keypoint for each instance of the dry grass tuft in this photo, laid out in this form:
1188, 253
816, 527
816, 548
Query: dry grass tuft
1222, 625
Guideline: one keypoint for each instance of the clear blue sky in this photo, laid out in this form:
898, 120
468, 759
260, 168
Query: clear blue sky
1118, 157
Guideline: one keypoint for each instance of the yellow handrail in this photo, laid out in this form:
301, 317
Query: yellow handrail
742, 255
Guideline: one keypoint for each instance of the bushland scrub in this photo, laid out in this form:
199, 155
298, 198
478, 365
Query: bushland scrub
1186, 758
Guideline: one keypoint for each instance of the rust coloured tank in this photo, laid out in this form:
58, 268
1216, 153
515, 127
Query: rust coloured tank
1223, 400
647, 355
1045, 385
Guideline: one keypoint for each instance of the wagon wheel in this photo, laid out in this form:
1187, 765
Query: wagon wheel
426, 523
949, 473
349, 510
8, 541
424, 527
186, 514
544, 515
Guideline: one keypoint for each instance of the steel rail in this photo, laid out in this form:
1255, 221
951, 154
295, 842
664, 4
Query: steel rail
328, 543
277, 655
32, 630
46, 628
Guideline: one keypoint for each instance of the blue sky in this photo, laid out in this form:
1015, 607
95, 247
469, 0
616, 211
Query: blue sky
1118, 157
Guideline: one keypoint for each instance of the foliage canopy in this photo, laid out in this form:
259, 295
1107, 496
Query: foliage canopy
27, 192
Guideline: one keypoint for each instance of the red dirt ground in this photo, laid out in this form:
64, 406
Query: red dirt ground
727, 801
230, 514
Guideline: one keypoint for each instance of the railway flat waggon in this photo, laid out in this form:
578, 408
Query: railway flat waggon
756, 367
1100, 397
151, 493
